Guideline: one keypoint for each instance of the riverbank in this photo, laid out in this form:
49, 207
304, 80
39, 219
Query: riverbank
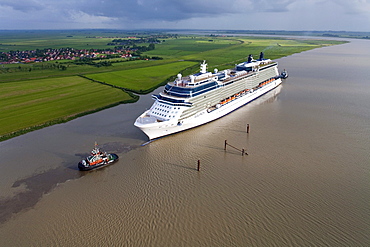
33, 99
300, 185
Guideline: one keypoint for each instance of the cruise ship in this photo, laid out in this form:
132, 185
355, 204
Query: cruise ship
194, 100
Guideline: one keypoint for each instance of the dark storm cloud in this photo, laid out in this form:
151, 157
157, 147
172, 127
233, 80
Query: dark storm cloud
151, 9
176, 9
208, 14
22, 5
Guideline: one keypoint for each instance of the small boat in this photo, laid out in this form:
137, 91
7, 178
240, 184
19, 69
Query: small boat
284, 74
97, 159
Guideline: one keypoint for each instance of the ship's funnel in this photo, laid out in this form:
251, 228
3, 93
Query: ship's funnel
250, 58
261, 56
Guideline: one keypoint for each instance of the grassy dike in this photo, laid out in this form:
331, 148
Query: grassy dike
35, 98
33, 104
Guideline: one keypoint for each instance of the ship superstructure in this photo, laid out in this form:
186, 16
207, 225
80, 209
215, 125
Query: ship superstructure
196, 99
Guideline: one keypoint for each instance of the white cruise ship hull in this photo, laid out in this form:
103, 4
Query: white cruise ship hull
158, 129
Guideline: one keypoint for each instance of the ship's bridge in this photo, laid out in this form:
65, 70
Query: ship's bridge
171, 100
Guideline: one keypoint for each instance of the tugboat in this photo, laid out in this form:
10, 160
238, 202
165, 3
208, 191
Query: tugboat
96, 159
284, 74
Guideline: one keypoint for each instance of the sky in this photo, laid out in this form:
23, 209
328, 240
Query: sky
292, 15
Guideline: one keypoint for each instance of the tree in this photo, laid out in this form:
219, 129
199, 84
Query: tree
151, 47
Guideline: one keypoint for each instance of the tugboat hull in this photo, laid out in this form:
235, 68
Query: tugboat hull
84, 165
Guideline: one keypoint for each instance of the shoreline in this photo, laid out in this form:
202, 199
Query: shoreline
63, 119
299, 173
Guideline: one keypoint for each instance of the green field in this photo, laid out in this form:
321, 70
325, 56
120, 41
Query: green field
35, 95
30, 40
34, 103
190, 45
142, 79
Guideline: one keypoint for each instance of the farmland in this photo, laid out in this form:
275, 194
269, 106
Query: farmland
31, 104
35, 95
141, 79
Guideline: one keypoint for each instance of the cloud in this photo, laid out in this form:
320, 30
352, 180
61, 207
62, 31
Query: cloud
176, 10
272, 6
22, 5
355, 6
216, 14
157, 9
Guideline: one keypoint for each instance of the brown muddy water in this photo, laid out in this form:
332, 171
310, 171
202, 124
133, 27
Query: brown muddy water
305, 182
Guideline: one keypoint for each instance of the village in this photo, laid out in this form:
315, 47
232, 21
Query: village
123, 48
45, 55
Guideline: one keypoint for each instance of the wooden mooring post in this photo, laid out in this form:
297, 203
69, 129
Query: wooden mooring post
241, 150
247, 128
198, 167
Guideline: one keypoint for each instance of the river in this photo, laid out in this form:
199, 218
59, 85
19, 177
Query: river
305, 182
